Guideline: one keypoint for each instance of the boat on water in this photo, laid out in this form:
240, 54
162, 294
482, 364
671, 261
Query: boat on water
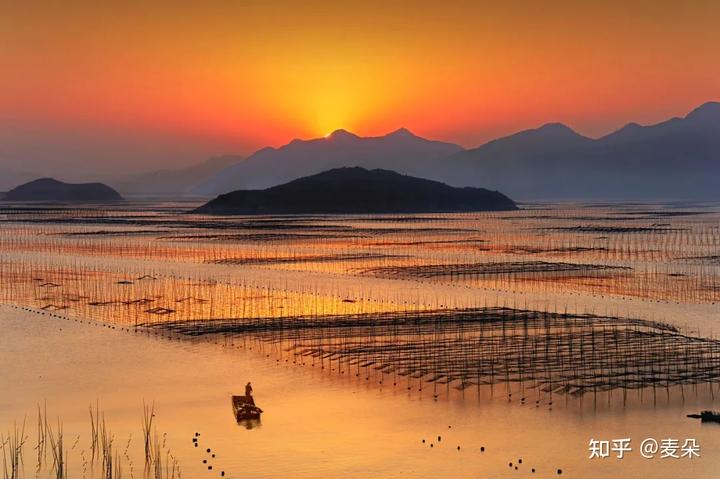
244, 408
707, 416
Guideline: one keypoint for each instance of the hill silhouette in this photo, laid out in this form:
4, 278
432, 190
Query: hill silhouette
176, 181
358, 191
399, 151
49, 189
10, 178
675, 159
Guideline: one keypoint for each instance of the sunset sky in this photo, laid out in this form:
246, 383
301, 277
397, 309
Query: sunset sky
98, 88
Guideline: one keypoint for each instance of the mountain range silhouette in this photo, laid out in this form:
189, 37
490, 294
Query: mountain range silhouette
398, 151
675, 159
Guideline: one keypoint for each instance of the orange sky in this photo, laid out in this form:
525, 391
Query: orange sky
174, 80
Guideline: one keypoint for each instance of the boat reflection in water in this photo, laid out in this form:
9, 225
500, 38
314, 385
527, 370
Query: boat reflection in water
246, 412
249, 423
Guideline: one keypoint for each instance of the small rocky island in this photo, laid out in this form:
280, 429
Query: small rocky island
358, 191
49, 189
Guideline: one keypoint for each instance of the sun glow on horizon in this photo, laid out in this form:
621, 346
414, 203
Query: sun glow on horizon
466, 73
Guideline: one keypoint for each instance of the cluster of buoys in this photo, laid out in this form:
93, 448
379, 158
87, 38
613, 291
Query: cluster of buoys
211, 455
513, 465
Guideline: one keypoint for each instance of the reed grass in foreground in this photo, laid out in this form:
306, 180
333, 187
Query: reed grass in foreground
105, 459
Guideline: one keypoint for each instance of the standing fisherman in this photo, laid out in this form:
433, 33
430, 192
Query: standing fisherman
248, 390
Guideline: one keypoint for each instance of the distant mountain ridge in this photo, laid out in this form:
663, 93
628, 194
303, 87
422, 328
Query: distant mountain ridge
49, 189
358, 191
400, 150
174, 181
675, 159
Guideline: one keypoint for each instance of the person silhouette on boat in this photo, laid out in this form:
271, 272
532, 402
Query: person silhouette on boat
248, 390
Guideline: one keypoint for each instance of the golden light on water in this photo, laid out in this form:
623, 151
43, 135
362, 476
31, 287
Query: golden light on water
347, 328
435, 344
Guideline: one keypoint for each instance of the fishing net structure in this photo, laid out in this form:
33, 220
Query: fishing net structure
553, 353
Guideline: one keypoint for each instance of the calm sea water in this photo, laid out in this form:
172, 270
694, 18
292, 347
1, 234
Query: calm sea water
314, 425
321, 424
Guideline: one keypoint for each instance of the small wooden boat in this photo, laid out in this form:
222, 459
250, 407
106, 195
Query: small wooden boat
706, 416
244, 408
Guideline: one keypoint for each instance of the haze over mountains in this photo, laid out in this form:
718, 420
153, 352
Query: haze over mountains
175, 182
675, 159
399, 151
678, 159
